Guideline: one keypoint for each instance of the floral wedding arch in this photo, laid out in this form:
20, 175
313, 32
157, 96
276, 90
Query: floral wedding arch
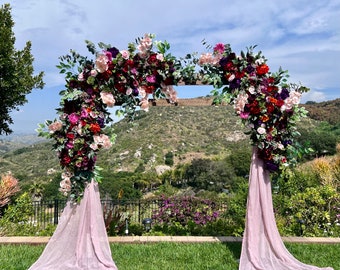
265, 102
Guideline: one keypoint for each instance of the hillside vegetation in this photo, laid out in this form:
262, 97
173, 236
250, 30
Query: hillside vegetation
185, 132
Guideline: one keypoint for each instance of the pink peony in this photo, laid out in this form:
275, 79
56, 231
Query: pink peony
108, 98
101, 63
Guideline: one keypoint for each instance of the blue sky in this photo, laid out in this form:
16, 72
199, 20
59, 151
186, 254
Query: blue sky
301, 36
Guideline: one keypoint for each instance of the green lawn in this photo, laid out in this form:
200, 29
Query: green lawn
177, 256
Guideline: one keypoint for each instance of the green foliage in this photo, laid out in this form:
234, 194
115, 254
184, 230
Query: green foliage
20, 211
122, 183
240, 159
169, 159
322, 141
16, 217
236, 209
304, 206
16, 71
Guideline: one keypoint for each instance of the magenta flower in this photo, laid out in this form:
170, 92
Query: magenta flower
73, 118
219, 48
151, 78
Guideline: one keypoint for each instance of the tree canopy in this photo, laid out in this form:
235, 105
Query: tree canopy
16, 71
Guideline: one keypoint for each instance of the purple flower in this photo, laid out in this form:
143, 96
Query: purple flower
114, 51
284, 93
101, 122
250, 69
235, 84
271, 166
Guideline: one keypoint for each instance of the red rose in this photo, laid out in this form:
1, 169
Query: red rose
270, 108
262, 69
70, 136
95, 128
65, 160
229, 66
130, 63
152, 59
239, 75
271, 89
280, 102
149, 89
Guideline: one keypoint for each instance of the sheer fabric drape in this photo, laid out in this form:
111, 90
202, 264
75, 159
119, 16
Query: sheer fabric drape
80, 241
262, 246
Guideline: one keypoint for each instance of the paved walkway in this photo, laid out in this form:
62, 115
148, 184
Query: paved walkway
180, 239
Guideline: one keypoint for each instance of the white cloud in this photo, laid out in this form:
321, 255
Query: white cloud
313, 95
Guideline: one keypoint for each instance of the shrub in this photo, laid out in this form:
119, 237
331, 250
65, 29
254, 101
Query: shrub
183, 215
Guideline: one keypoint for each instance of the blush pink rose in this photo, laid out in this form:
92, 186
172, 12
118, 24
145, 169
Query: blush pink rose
240, 102
291, 101
101, 63
144, 104
125, 54
107, 99
55, 126
101, 140
160, 57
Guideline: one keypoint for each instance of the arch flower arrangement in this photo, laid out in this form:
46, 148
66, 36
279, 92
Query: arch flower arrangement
263, 100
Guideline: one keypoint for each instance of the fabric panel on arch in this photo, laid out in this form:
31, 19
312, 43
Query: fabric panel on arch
262, 246
80, 240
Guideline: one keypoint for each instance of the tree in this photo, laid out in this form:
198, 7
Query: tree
16, 71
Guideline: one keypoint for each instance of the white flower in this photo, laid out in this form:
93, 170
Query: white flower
261, 130
231, 77
252, 90
259, 61
81, 77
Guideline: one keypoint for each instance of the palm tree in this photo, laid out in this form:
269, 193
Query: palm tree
36, 190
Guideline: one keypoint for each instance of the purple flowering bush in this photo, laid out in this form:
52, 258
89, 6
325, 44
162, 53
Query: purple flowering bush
184, 215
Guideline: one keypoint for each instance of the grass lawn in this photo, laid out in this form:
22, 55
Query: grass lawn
170, 256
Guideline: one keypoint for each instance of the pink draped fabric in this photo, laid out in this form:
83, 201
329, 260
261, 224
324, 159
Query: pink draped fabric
80, 241
262, 246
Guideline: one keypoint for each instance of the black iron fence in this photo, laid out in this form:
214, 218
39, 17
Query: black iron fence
49, 212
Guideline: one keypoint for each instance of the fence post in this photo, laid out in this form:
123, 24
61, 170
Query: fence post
139, 205
56, 211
